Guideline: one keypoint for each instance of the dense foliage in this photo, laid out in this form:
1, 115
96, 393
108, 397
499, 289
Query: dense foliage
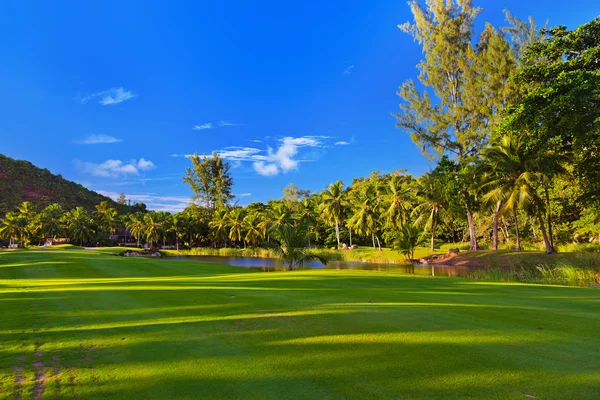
22, 181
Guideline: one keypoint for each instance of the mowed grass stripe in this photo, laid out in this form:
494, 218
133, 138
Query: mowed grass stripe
110, 327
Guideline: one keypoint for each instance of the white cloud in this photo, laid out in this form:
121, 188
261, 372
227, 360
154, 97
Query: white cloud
153, 201
349, 69
341, 143
114, 168
202, 127
145, 165
272, 161
110, 96
227, 123
244, 195
175, 155
265, 169
98, 139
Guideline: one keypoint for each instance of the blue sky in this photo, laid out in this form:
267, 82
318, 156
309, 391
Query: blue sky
114, 94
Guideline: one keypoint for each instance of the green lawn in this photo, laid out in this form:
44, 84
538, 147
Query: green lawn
83, 324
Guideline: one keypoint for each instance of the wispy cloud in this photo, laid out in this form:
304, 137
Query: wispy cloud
227, 123
202, 127
98, 139
271, 161
110, 96
153, 201
349, 69
341, 143
115, 168
244, 195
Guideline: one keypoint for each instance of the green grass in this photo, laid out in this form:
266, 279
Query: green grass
86, 324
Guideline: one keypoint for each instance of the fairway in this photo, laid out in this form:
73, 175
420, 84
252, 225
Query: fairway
85, 324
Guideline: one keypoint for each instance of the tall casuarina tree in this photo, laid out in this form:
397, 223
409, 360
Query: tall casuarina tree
462, 80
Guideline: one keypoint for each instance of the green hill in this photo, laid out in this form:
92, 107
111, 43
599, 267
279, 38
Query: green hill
22, 181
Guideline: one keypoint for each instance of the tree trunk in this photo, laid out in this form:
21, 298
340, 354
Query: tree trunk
432, 240
505, 231
244, 244
495, 228
337, 233
547, 244
472, 234
350, 229
378, 242
373, 238
291, 266
549, 216
517, 237
177, 241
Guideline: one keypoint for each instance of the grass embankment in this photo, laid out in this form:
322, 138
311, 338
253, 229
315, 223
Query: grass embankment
366, 254
573, 269
85, 324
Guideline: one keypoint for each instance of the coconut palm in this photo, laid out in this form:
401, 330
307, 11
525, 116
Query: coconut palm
220, 224
364, 220
430, 211
280, 215
236, 225
252, 227
152, 228
407, 241
291, 249
307, 216
50, 220
333, 204
106, 217
13, 227
79, 225
135, 224
397, 198
516, 180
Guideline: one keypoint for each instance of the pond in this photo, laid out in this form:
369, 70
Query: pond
273, 264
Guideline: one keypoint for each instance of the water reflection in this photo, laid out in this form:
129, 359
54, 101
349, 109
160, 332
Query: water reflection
272, 264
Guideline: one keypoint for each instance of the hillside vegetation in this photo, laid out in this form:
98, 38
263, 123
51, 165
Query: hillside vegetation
22, 181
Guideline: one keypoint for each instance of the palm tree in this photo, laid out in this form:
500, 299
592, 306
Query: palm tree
26, 210
135, 224
307, 217
252, 227
50, 220
14, 227
291, 249
79, 225
152, 228
407, 241
333, 204
219, 224
236, 225
106, 217
516, 180
364, 219
397, 199
430, 210
280, 215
